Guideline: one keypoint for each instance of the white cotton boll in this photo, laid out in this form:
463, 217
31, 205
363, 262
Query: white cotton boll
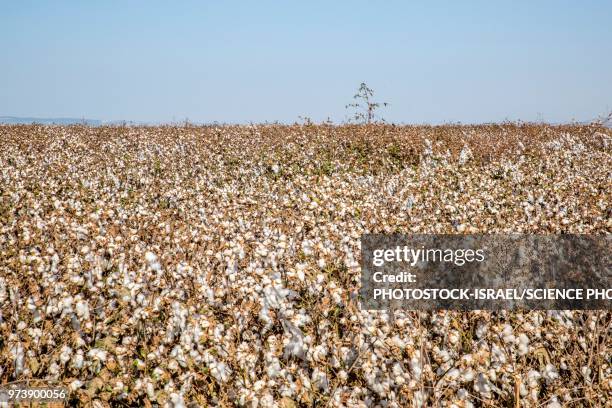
265, 317
419, 398
415, 367
259, 385
150, 390
483, 385
319, 353
79, 342
499, 354
3, 294
453, 337
151, 259
75, 385
533, 378
452, 374
54, 369
18, 358
398, 342
118, 386
467, 375
173, 365
275, 168
508, 334
221, 372
274, 369
586, 373
523, 346
320, 380
444, 355
397, 370
35, 333
177, 400
307, 248
295, 347
97, 354
550, 372
65, 354
82, 310
554, 403
66, 304
158, 373
465, 155
482, 330
267, 401
409, 203
77, 360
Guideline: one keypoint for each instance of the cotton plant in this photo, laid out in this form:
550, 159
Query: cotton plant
220, 266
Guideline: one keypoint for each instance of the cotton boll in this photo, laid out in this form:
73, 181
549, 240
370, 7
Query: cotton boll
550, 372
77, 360
319, 353
586, 373
452, 374
481, 330
177, 400
267, 401
465, 155
54, 370
97, 354
150, 390
523, 346
221, 372
508, 335
320, 380
498, 353
467, 375
75, 385
419, 398
533, 377
453, 337
82, 310
3, 292
18, 358
483, 386
274, 369
173, 365
415, 367
151, 259
66, 354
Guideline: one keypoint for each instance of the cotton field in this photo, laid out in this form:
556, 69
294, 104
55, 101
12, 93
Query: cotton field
220, 265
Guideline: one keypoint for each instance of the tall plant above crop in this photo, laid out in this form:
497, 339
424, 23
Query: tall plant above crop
365, 108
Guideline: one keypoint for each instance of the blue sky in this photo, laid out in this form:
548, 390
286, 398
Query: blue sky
231, 61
